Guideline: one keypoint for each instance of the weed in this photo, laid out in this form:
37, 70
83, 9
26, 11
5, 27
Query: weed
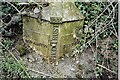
12, 69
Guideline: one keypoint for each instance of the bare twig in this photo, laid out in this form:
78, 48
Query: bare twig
14, 7
101, 13
106, 69
40, 72
91, 48
95, 54
114, 34
12, 18
101, 30
96, 35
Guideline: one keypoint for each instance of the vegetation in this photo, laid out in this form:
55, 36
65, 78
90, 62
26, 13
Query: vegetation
100, 35
12, 69
12, 27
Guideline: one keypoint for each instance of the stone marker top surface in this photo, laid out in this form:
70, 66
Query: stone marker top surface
65, 10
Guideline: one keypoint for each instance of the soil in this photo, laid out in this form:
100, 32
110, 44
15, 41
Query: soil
81, 65
68, 67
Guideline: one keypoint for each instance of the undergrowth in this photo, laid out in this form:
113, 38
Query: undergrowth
101, 31
97, 33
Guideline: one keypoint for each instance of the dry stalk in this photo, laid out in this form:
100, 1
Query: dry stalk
106, 69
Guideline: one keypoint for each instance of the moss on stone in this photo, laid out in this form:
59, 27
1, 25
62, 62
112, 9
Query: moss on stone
80, 66
22, 50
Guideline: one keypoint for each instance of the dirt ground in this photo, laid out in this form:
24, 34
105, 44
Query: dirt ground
81, 66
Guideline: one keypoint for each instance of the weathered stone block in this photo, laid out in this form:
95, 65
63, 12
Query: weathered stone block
53, 36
